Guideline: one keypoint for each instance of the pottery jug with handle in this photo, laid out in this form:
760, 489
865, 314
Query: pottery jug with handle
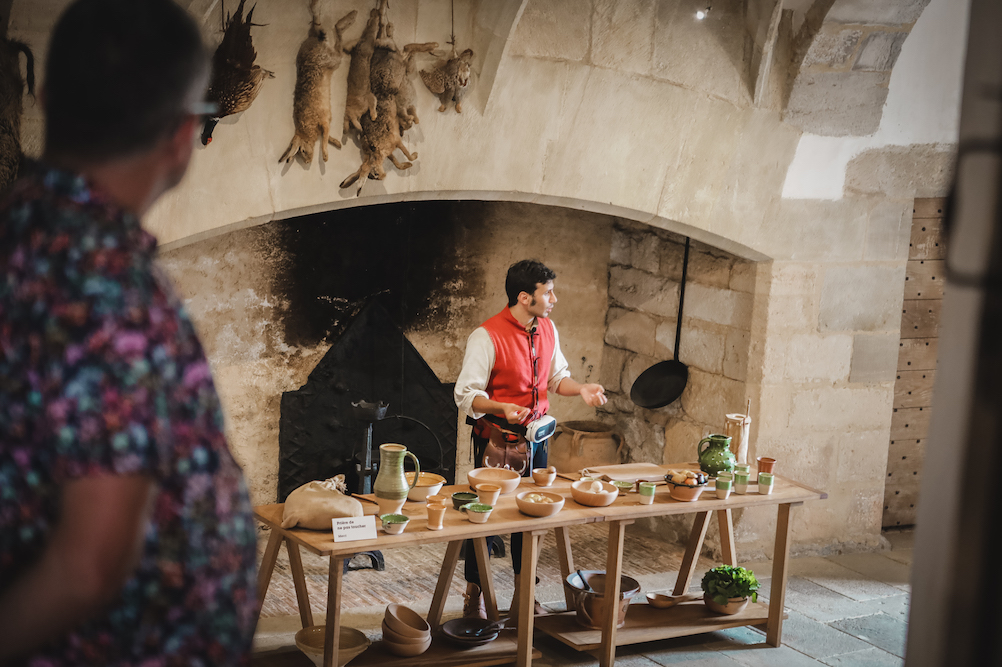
716, 456
391, 485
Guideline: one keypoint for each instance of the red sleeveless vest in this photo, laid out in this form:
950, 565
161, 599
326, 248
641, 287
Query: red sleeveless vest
512, 377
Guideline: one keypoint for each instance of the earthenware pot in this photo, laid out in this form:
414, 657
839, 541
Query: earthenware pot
391, 485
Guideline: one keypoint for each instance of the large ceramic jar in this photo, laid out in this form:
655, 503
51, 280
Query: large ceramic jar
391, 485
580, 444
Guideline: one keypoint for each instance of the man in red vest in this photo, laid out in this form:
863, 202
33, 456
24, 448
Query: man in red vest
512, 360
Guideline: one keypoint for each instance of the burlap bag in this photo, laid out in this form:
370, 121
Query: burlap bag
314, 504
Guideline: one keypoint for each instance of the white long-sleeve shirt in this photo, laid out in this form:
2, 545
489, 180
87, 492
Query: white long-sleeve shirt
479, 362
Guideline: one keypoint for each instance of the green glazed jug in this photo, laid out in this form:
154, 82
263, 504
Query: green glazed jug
391, 485
716, 456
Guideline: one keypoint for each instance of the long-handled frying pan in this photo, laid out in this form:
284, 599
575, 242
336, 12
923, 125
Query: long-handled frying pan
664, 382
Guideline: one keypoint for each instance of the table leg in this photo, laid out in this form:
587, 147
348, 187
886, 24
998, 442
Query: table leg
299, 579
566, 561
699, 526
777, 591
444, 583
332, 631
613, 574
526, 598
268, 566
486, 577
726, 524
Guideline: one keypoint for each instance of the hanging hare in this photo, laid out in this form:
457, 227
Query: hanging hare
450, 79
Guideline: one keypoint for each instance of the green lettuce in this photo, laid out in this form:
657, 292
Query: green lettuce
725, 582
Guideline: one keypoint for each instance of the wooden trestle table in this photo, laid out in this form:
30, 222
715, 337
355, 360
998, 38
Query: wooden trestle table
643, 623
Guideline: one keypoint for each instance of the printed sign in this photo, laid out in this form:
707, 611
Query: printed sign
354, 528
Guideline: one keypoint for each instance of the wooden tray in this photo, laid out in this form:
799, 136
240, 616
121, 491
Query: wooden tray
628, 472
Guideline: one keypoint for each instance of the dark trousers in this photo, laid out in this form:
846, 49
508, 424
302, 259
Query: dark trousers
539, 456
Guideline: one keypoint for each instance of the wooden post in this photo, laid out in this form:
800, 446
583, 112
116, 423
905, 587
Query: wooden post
332, 633
299, 579
444, 582
699, 526
527, 598
777, 590
267, 566
727, 548
566, 559
613, 574
486, 577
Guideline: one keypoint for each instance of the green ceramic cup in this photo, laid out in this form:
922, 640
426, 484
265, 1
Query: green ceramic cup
647, 488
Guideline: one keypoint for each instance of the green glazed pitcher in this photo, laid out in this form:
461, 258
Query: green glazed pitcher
391, 485
716, 456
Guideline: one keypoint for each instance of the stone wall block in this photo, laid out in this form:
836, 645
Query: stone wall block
613, 362
631, 330
888, 232
809, 458
838, 104
861, 457
842, 408
644, 441
900, 12
707, 398
672, 258
880, 51
862, 298
874, 357
719, 306
811, 358
619, 252
796, 313
833, 49
790, 278
616, 23
699, 347
736, 348
681, 438
639, 290
743, 277
556, 29
902, 172
645, 253
708, 269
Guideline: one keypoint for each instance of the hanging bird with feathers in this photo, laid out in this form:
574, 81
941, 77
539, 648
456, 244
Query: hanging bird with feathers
236, 80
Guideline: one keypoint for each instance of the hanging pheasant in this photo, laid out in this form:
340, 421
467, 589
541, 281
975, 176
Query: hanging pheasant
236, 80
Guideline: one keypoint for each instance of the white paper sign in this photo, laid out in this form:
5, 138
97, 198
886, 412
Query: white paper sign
354, 528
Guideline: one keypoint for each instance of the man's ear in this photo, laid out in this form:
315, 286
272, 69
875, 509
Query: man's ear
524, 298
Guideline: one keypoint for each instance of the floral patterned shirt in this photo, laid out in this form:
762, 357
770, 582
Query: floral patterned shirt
101, 372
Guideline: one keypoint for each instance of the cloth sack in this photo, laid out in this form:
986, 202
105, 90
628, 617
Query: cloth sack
314, 504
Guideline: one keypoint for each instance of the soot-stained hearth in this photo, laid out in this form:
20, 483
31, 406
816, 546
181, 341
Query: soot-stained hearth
371, 360
405, 252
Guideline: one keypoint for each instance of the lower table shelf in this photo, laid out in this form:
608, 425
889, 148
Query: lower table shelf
444, 654
644, 623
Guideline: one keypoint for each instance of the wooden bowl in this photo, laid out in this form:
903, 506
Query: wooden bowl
428, 484
406, 622
539, 509
604, 498
407, 650
310, 640
508, 480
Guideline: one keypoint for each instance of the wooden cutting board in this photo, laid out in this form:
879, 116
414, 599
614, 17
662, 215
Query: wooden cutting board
629, 472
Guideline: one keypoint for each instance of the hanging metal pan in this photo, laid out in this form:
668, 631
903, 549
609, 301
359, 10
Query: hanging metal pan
665, 381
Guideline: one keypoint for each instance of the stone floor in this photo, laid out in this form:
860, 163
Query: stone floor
842, 610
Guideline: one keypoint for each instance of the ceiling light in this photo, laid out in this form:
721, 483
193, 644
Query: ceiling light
703, 13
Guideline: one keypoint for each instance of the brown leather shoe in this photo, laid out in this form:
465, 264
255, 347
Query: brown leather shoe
473, 605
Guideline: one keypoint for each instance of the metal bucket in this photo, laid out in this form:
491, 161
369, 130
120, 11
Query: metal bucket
589, 598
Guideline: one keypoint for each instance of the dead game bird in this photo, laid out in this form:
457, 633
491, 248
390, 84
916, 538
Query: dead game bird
450, 79
236, 80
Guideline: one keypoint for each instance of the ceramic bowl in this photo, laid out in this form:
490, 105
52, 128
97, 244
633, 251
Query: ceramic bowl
457, 631
477, 512
526, 506
310, 640
407, 650
406, 622
428, 484
488, 494
733, 606
461, 498
581, 494
394, 524
508, 480
683, 493
544, 476
391, 636
624, 487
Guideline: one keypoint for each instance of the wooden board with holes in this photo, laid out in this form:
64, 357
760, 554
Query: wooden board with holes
913, 389
920, 319
929, 207
900, 505
917, 354
927, 240
905, 459
924, 279
910, 423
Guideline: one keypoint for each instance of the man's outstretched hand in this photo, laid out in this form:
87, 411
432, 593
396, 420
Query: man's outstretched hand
593, 394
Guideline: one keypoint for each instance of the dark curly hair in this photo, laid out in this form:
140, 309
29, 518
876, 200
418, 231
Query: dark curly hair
524, 276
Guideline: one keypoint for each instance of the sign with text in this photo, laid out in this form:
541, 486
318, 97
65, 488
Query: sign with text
349, 529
